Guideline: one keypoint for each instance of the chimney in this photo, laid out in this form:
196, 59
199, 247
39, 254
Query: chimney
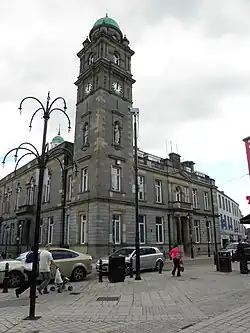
188, 164
175, 159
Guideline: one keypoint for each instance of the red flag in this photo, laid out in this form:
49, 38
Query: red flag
247, 145
248, 198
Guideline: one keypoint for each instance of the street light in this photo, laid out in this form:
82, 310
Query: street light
208, 237
64, 169
42, 159
135, 114
190, 235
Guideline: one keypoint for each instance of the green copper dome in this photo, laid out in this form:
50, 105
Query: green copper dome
58, 139
106, 20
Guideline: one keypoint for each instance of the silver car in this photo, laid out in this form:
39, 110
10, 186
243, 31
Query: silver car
150, 259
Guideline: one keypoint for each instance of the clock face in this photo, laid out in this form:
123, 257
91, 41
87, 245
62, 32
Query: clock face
88, 88
117, 87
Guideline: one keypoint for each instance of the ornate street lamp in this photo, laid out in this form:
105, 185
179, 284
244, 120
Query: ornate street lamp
135, 114
29, 149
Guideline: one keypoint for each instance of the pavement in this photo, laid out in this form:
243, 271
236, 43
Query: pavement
201, 300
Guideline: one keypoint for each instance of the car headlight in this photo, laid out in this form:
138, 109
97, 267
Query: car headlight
90, 258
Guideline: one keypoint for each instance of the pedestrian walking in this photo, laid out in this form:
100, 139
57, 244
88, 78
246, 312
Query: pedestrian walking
46, 261
175, 254
28, 265
242, 257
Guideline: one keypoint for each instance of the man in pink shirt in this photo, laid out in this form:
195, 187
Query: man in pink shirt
175, 254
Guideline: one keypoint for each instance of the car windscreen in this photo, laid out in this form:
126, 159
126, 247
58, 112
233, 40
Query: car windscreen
22, 256
123, 252
231, 246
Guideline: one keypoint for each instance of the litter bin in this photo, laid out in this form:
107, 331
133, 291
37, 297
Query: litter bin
224, 262
116, 269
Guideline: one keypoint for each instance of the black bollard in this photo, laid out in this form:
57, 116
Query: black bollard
6, 278
131, 268
100, 270
160, 267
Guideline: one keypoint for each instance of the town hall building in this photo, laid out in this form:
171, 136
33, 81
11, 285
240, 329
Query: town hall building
176, 203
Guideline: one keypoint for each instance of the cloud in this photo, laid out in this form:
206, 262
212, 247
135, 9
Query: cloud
191, 65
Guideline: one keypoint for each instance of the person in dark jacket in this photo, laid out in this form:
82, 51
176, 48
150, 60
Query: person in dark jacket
242, 258
28, 265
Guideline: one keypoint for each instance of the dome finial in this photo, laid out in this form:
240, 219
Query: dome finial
59, 130
107, 13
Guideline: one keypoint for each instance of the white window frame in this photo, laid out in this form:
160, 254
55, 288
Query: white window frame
116, 179
91, 59
116, 224
141, 185
47, 188
84, 179
116, 58
195, 198
219, 200
178, 194
50, 230
18, 196
206, 201
158, 191
69, 194
12, 233
209, 231
142, 225
83, 229
197, 232
159, 225
41, 231
186, 194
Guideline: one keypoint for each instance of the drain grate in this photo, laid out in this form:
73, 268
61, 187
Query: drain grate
108, 299
187, 326
75, 293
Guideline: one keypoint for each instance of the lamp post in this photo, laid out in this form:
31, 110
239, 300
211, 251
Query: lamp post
64, 169
7, 230
208, 237
135, 114
190, 235
42, 159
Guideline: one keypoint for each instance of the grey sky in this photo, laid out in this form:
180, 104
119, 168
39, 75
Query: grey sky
191, 65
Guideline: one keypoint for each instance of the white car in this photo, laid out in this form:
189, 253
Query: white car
150, 258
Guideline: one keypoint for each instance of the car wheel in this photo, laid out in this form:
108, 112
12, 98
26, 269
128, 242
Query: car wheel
78, 274
15, 279
157, 265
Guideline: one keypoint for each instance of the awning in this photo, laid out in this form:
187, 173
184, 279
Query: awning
245, 219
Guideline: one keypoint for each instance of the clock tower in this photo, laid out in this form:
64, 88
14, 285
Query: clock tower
103, 147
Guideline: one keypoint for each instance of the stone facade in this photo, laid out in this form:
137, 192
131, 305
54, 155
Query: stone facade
230, 228
175, 201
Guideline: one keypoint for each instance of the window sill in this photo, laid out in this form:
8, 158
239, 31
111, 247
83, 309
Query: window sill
162, 243
85, 147
117, 146
142, 200
159, 203
82, 192
117, 191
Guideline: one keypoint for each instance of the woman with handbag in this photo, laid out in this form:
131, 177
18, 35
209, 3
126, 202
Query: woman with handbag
175, 254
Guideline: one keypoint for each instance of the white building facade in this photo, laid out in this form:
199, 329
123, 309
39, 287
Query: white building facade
230, 215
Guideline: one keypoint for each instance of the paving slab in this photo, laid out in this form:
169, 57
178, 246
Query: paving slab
157, 303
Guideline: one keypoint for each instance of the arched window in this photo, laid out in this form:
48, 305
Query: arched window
116, 58
178, 193
91, 59
31, 191
47, 185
